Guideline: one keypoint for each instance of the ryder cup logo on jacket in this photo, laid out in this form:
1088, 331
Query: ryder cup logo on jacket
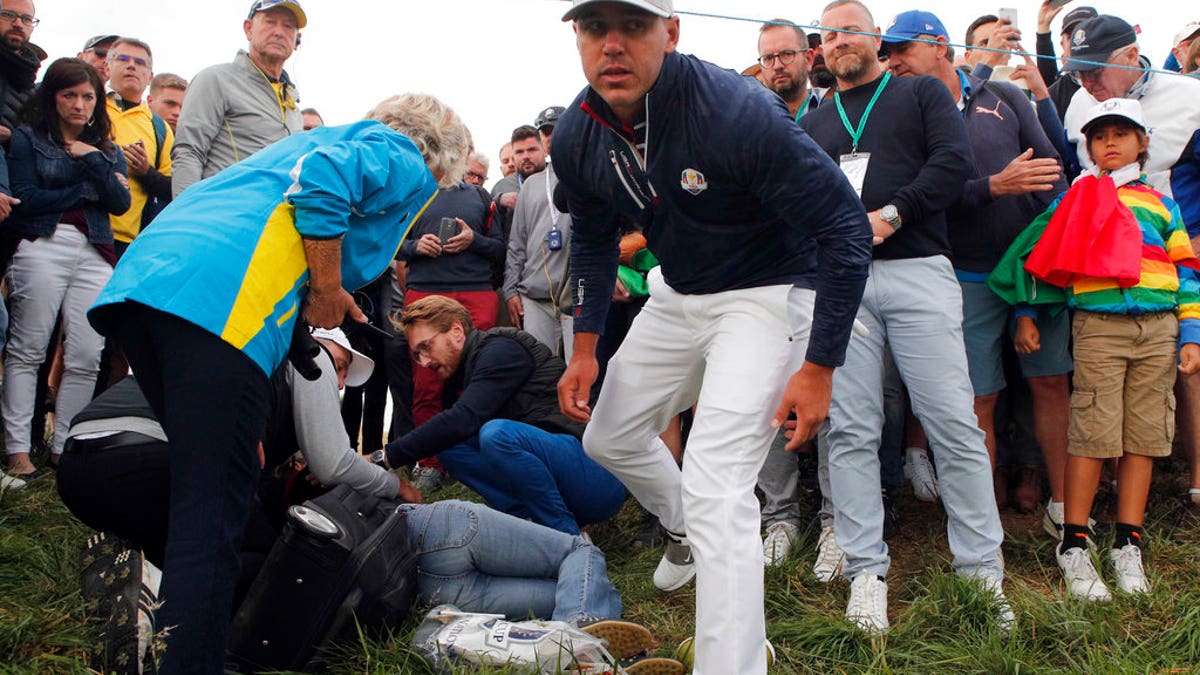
693, 181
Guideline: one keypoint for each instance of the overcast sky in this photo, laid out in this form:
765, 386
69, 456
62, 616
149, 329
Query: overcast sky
497, 62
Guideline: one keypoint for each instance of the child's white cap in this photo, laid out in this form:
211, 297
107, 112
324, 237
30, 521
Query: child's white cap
1125, 108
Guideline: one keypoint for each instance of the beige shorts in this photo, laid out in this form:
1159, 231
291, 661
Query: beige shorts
1124, 400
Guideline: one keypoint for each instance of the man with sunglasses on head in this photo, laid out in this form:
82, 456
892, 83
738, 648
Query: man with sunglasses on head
233, 110
144, 137
19, 62
95, 53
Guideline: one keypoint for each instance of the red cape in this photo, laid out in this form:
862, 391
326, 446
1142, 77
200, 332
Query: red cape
1091, 234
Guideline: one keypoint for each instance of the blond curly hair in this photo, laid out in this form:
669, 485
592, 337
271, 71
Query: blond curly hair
434, 127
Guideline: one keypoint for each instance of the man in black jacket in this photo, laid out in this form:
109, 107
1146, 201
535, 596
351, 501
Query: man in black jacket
904, 141
501, 432
19, 62
763, 249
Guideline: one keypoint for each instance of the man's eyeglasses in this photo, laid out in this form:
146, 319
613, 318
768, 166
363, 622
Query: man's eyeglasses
10, 16
785, 58
126, 58
482, 178
423, 349
100, 51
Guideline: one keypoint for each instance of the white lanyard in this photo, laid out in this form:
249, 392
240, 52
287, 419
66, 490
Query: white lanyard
554, 214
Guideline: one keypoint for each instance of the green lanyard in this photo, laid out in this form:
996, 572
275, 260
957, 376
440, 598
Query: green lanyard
856, 134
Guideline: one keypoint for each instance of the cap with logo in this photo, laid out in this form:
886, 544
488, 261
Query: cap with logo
1075, 16
1094, 41
361, 365
98, 41
293, 5
663, 8
549, 117
914, 23
1123, 108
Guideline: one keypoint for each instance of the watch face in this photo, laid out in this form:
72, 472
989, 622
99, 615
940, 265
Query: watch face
889, 212
378, 457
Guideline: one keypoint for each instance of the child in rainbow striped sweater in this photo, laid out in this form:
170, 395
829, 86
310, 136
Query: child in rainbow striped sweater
1119, 251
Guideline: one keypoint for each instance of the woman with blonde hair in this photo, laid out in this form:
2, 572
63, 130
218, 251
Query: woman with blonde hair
206, 305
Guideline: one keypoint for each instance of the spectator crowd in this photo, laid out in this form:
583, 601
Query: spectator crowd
895, 265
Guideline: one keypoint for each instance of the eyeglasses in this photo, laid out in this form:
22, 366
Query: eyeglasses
482, 178
100, 51
126, 58
785, 58
424, 349
10, 16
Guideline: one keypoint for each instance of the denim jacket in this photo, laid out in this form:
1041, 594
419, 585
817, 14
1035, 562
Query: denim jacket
48, 182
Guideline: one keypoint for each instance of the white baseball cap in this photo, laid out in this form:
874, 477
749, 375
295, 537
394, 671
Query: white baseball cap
1125, 108
663, 8
1188, 31
361, 365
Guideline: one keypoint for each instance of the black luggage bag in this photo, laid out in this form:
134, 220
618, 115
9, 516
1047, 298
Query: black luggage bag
342, 561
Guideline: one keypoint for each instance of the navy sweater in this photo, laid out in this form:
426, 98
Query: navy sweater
469, 270
920, 156
730, 194
981, 228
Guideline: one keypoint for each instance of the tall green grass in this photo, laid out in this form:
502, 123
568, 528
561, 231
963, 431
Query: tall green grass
940, 623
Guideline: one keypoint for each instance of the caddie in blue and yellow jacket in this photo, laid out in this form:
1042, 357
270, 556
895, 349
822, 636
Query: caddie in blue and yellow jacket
205, 303
228, 256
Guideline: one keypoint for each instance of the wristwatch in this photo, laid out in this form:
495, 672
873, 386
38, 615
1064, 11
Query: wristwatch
379, 458
891, 216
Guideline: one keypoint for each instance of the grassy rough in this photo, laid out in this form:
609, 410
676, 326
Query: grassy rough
940, 623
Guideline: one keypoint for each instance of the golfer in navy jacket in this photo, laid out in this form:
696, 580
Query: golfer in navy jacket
763, 244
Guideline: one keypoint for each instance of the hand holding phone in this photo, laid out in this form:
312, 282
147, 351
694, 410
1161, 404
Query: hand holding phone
447, 227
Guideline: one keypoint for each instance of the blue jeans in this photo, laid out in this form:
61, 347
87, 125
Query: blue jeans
526, 472
485, 561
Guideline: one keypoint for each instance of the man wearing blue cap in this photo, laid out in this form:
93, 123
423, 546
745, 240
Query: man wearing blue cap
1016, 175
233, 110
904, 145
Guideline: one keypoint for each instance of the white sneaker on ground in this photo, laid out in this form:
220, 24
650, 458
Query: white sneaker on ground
677, 566
1080, 574
918, 469
1052, 520
1127, 564
778, 543
1006, 619
8, 482
830, 557
867, 608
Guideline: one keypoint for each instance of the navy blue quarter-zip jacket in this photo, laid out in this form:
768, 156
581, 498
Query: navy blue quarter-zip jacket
729, 192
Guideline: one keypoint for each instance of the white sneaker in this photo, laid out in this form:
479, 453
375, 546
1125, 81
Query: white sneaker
1080, 574
778, 542
919, 471
1127, 563
830, 557
1052, 520
677, 566
1006, 619
867, 608
8, 482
